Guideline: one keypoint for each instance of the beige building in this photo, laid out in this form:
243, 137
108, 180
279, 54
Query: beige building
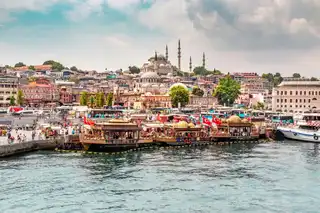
8, 88
296, 96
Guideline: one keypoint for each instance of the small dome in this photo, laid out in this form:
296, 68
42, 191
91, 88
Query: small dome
191, 125
182, 124
150, 75
234, 119
245, 120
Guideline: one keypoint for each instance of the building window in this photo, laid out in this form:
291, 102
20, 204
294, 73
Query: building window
312, 93
277, 100
285, 100
281, 100
277, 92
290, 92
285, 92
300, 92
281, 92
290, 100
309, 92
305, 92
296, 100
304, 100
300, 100
309, 101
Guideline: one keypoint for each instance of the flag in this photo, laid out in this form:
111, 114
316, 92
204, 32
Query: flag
206, 121
216, 120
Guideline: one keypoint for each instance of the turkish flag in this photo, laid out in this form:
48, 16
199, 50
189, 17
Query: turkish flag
206, 121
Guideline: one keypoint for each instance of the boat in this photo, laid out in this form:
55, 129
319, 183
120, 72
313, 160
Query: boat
307, 129
115, 135
181, 133
234, 128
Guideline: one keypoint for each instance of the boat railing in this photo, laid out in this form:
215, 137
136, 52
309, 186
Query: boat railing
122, 141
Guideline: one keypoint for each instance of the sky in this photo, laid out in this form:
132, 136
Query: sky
236, 35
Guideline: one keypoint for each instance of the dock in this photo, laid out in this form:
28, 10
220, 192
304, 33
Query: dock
30, 146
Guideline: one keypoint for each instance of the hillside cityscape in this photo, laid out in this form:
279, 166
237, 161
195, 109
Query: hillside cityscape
148, 86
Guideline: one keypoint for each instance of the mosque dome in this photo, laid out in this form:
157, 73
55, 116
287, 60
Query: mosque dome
150, 75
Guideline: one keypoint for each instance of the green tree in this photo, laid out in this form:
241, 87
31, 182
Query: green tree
197, 91
259, 106
73, 68
55, 65
84, 98
92, 101
227, 90
31, 67
200, 71
109, 101
179, 94
275, 79
12, 101
296, 75
313, 79
102, 99
20, 97
19, 64
134, 69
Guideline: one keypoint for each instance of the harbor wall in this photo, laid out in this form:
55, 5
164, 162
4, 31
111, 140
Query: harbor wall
20, 148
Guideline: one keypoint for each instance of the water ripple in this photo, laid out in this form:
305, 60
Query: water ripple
275, 177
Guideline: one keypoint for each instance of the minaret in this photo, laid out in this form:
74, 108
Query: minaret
155, 56
167, 54
179, 56
190, 65
204, 60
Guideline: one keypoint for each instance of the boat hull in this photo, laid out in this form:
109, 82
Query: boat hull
109, 147
300, 135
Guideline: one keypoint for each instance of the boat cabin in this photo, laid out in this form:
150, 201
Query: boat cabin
113, 132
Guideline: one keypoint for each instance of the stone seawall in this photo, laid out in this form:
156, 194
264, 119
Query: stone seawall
19, 148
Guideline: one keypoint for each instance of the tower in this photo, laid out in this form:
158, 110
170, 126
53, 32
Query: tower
179, 56
204, 60
155, 56
167, 54
190, 65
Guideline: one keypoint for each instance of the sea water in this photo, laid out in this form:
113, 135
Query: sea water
273, 177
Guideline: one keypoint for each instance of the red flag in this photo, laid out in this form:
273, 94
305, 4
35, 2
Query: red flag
216, 120
85, 120
206, 121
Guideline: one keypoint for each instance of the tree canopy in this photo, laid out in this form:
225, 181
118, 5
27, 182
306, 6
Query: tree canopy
227, 90
202, 71
12, 101
197, 91
55, 65
100, 99
31, 67
109, 100
274, 79
84, 98
296, 75
134, 69
73, 68
314, 79
179, 94
20, 97
19, 64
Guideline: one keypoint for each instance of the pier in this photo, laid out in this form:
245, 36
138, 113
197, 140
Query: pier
20, 148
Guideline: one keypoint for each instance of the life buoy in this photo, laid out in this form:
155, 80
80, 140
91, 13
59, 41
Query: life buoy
316, 137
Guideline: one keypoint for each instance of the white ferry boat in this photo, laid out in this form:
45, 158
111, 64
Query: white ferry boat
307, 129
